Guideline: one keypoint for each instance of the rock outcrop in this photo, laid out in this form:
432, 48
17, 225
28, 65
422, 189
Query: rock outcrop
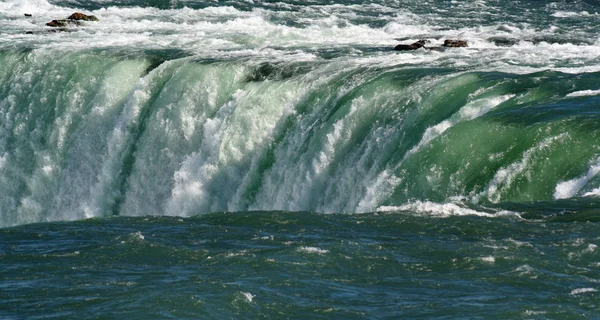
414, 46
58, 23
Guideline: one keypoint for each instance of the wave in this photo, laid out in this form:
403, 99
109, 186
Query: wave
584, 93
448, 209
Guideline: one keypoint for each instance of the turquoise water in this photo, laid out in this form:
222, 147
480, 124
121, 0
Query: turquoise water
263, 159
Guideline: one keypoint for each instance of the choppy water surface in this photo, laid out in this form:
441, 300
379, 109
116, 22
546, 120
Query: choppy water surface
294, 265
277, 159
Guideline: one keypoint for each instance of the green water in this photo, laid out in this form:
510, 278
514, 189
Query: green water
92, 134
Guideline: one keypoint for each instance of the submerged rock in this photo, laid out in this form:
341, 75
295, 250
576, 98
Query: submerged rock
503, 41
52, 30
57, 23
414, 46
276, 71
60, 30
455, 43
63, 23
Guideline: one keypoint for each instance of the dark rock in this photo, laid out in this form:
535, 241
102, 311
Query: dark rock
80, 16
455, 43
57, 23
414, 46
63, 23
28, 15
73, 20
28, 32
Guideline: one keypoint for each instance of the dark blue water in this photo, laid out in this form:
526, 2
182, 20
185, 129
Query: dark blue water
294, 265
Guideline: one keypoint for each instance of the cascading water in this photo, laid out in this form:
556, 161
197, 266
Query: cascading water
90, 134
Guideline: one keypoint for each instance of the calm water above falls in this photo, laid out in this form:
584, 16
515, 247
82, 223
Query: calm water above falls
277, 159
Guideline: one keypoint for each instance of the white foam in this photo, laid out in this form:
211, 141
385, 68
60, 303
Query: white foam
20, 7
591, 248
582, 291
489, 259
571, 14
313, 250
443, 210
139, 235
593, 193
584, 93
248, 296
568, 189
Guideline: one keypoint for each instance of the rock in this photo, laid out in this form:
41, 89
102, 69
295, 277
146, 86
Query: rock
455, 43
28, 15
57, 23
80, 16
63, 23
414, 46
74, 19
